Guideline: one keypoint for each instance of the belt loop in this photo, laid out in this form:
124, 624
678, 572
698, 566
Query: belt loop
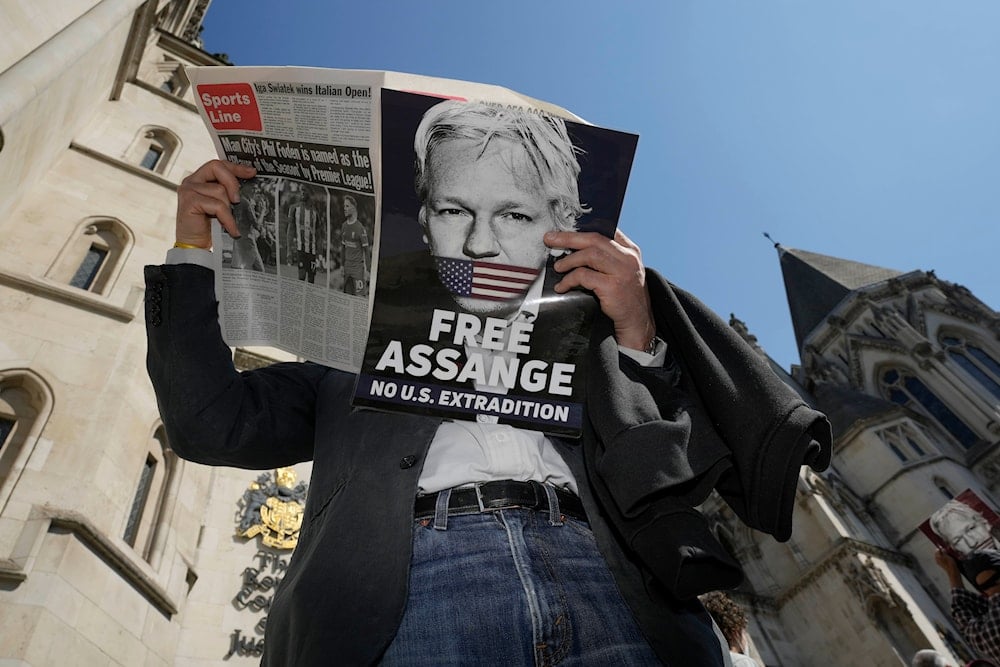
441, 510
555, 516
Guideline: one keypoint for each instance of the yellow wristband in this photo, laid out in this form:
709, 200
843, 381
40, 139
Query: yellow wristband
188, 246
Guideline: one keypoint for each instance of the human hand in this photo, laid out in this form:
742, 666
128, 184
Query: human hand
950, 567
612, 269
208, 193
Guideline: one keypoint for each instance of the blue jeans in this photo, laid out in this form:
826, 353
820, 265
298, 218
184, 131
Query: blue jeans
513, 587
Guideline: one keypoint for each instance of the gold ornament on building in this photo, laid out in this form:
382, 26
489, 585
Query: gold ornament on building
272, 507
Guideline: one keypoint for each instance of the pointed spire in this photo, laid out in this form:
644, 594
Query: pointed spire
815, 284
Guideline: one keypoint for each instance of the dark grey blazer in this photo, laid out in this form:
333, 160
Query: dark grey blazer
345, 589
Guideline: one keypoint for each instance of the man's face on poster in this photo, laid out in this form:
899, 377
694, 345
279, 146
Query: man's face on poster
965, 531
486, 205
350, 208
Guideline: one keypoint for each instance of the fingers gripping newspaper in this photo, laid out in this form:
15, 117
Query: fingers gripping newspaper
334, 201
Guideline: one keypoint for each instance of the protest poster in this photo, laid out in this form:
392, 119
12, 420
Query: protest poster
465, 323
964, 524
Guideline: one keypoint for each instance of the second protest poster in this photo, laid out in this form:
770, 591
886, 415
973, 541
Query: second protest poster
465, 323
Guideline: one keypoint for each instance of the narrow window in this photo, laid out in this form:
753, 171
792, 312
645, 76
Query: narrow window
898, 452
917, 449
154, 148
901, 438
139, 502
93, 255
25, 405
6, 428
89, 268
151, 158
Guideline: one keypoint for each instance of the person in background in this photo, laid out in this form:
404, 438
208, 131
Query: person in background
977, 615
732, 620
575, 552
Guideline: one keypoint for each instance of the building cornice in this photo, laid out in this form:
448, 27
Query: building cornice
908, 468
842, 548
133, 169
848, 437
174, 99
73, 296
137, 573
188, 51
858, 301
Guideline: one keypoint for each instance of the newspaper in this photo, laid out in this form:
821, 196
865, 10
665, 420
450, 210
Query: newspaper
339, 260
291, 281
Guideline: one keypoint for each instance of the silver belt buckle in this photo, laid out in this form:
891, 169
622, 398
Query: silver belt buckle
479, 496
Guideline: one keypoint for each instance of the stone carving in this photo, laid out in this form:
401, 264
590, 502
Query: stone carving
869, 584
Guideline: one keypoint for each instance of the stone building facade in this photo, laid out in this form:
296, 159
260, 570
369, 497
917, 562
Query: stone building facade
907, 366
112, 550
115, 552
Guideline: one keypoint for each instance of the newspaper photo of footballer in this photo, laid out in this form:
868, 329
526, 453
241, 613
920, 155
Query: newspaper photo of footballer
465, 323
354, 236
255, 221
302, 238
964, 524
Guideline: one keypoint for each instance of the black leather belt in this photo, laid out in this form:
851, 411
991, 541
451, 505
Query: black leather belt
500, 495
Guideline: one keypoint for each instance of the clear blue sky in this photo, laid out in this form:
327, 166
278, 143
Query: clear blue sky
862, 129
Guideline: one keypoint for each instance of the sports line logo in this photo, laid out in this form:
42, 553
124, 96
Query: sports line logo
230, 106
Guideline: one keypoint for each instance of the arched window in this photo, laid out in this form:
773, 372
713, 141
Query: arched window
944, 488
93, 257
974, 360
25, 405
154, 495
154, 148
903, 441
901, 386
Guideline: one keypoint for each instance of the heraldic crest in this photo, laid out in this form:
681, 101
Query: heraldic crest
273, 509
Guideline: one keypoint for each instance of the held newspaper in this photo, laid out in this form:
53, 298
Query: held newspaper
349, 254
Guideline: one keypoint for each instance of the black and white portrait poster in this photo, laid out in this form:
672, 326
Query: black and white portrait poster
465, 322
964, 524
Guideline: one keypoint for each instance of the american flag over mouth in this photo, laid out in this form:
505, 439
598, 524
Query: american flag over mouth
484, 280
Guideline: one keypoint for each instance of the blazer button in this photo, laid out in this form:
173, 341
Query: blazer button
407, 462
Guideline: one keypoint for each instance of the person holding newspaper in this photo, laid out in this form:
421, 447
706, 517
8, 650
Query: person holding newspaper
977, 614
581, 551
